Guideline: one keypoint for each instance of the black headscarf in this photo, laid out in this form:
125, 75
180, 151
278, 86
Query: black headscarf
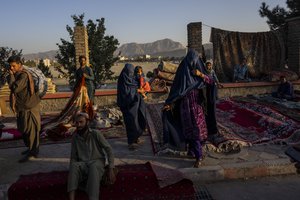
185, 80
127, 87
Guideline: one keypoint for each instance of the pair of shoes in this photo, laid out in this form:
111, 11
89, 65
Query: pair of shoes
133, 146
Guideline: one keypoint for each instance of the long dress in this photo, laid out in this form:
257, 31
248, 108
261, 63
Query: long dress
131, 104
185, 123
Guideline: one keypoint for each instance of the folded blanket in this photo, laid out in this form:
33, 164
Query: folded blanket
168, 67
165, 75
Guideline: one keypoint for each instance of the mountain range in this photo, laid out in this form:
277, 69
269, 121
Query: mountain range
164, 48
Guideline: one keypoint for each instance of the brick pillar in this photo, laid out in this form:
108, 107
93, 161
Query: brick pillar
81, 44
293, 44
195, 36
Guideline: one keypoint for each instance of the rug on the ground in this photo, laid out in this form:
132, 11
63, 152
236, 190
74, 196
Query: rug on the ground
239, 123
134, 182
288, 108
8, 134
256, 123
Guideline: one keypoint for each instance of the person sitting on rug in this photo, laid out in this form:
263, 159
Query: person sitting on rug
240, 73
87, 163
131, 105
184, 109
24, 101
86, 72
285, 90
144, 86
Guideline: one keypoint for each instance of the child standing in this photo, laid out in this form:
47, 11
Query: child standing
144, 86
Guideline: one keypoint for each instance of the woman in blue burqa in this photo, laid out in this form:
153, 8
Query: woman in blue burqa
132, 106
184, 123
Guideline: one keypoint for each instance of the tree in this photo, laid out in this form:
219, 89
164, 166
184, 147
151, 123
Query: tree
46, 71
30, 63
101, 49
278, 15
5, 53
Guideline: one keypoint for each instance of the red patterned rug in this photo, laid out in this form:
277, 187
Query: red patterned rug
8, 134
240, 122
255, 123
134, 182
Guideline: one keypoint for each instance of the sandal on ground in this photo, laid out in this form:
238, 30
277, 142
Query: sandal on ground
198, 163
132, 146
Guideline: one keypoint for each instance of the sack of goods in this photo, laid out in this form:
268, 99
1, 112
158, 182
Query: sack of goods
40, 81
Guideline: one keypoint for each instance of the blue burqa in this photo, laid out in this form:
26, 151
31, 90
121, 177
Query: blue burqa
131, 104
184, 82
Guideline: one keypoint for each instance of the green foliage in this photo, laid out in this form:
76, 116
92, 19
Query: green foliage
276, 17
101, 49
30, 63
46, 71
5, 53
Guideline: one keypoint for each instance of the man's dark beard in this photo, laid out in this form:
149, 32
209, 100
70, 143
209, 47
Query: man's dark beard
82, 131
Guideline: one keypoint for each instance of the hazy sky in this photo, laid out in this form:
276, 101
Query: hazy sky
37, 25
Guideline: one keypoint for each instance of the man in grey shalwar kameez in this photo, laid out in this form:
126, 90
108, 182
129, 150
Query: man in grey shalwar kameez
24, 102
88, 159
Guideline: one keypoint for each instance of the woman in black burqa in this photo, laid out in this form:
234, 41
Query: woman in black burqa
184, 123
132, 106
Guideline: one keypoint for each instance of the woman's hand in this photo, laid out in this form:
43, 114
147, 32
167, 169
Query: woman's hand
220, 85
198, 73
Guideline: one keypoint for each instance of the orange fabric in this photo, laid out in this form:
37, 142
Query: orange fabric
145, 85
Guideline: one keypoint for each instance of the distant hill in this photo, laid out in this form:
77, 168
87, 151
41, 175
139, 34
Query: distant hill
41, 55
165, 47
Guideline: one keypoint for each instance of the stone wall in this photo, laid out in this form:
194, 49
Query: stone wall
194, 31
56, 102
81, 44
293, 44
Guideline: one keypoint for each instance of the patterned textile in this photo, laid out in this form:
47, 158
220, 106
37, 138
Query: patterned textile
158, 85
79, 101
192, 117
275, 75
239, 122
290, 109
134, 182
264, 52
255, 123
10, 134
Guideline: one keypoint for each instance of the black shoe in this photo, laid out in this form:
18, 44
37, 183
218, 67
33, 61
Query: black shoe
25, 152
